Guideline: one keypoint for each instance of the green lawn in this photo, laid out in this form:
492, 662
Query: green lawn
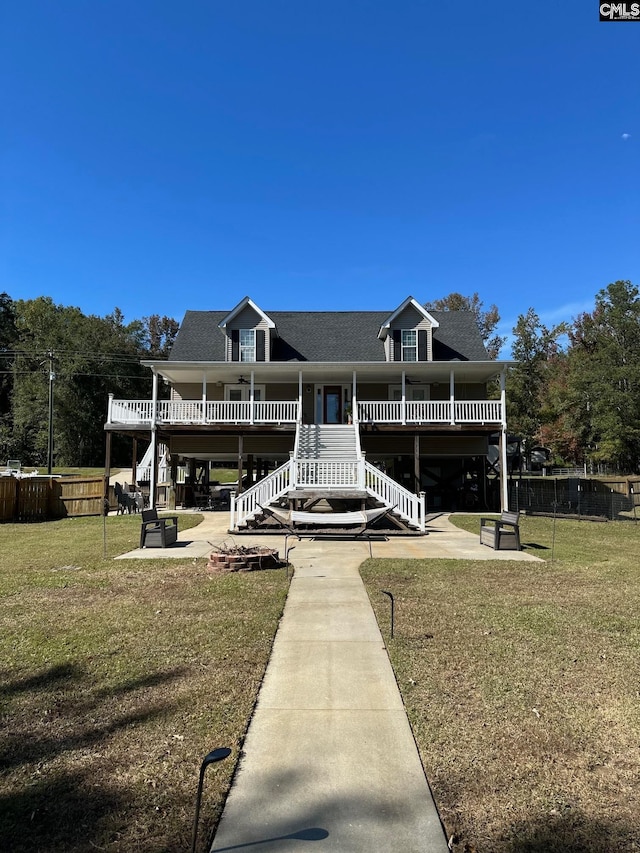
117, 678
522, 684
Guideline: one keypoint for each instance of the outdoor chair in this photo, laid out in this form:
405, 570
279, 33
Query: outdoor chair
501, 534
158, 532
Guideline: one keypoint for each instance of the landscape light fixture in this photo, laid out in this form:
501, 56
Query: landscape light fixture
214, 756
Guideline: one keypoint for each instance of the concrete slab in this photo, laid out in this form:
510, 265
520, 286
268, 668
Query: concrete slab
347, 775
329, 589
330, 676
345, 622
443, 540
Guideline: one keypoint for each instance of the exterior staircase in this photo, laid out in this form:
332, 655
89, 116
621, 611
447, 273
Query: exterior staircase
328, 441
327, 462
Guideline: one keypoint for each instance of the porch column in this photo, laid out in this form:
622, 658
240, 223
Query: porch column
300, 397
404, 398
154, 400
154, 467
452, 396
504, 480
204, 398
134, 461
153, 477
107, 466
354, 401
110, 409
240, 463
173, 476
416, 462
252, 414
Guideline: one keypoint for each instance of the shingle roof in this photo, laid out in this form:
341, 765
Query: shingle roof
328, 336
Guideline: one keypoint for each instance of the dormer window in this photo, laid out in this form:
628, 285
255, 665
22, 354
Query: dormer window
249, 331
409, 345
408, 333
247, 345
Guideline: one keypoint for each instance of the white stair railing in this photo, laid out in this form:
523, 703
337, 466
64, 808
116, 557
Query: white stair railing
410, 507
247, 505
327, 473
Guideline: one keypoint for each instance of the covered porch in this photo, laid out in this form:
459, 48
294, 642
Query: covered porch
452, 393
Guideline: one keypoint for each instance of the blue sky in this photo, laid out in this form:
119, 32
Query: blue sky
161, 156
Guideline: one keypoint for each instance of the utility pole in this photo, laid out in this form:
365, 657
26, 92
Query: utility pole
52, 376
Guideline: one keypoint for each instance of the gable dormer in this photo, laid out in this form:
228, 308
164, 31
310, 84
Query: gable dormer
407, 334
248, 332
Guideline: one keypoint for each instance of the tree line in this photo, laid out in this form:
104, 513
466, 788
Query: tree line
574, 390
47, 348
576, 387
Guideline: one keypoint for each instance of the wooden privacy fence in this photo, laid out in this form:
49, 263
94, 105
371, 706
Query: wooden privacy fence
43, 498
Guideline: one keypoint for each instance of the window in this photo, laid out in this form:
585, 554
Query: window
413, 393
247, 345
409, 345
242, 393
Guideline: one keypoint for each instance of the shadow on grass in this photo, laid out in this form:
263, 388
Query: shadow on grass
55, 675
59, 813
57, 721
569, 832
55, 706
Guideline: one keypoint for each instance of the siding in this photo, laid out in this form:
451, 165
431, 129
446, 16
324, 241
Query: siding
248, 319
409, 319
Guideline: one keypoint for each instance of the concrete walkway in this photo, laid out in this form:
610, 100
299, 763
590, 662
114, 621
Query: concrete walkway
329, 762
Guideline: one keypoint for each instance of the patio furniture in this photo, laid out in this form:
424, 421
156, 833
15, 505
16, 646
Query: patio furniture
158, 532
501, 534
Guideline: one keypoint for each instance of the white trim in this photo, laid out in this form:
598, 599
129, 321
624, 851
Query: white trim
413, 346
345, 397
241, 306
409, 301
250, 348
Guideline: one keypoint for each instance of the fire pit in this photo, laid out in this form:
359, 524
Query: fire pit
237, 558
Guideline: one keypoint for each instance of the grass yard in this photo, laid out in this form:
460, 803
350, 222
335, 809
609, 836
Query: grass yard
117, 677
522, 684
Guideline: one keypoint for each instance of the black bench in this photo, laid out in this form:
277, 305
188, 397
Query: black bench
501, 534
158, 532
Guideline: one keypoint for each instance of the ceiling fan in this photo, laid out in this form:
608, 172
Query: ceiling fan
242, 381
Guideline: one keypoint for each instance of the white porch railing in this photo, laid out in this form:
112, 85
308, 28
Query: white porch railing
477, 411
288, 412
409, 506
328, 473
199, 411
130, 412
246, 505
430, 411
